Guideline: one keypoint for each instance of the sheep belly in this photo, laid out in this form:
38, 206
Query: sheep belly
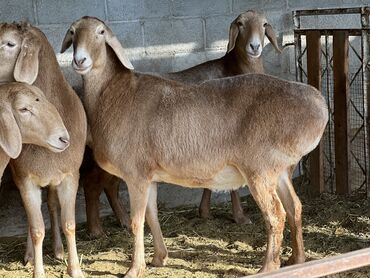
229, 178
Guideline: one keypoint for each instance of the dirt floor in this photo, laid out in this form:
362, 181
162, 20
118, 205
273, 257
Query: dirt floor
214, 248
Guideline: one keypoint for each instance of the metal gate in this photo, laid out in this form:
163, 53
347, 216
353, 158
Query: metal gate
336, 61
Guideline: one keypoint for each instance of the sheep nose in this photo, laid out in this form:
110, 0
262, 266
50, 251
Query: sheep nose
255, 47
64, 140
80, 62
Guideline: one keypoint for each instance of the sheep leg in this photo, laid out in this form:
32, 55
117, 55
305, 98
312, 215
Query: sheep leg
293, 208
238, 213
29, 256
31, 197
205, 203
67, 192
263, 190
151, 215
139, 193
53, 207
93, 187
111, 189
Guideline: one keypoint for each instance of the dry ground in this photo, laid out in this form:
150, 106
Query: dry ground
213, 248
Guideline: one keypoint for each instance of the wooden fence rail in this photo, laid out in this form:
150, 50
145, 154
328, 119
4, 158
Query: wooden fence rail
320, 268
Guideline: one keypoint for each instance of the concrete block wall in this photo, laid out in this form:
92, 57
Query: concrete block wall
160, 36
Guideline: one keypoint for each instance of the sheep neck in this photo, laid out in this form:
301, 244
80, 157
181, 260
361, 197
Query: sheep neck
97, 80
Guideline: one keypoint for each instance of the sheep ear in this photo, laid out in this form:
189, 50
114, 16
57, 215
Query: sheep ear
67, 41
233, 34
27, 65
114, 43
270, 34
10, 136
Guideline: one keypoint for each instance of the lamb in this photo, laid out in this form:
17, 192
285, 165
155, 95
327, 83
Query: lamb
28, 57
220, 135
45, 128
243, 55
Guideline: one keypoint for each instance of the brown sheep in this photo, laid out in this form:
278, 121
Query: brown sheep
220, 135
28, 57
243, 55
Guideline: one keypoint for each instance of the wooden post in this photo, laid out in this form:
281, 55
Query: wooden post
341, 112
314, 79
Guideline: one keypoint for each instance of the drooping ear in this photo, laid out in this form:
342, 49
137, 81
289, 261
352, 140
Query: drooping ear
270, 34
233, 34
10, 136
114, 43
27, 65
67, 41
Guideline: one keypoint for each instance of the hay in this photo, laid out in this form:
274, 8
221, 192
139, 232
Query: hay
214, 248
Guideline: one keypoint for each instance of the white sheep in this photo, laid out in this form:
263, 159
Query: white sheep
220, 135
28, 57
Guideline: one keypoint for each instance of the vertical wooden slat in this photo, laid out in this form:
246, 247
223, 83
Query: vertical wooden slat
341, 112
314, 79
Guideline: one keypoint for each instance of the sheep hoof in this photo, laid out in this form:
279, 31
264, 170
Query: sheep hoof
159, 261
75, 273
295, 260
59, 252
96, 233
242, 219
28, 259
39, 274
269, 267
134, 272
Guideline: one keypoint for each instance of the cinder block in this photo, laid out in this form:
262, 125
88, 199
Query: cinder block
196, 7
274, 5
21, 10
240, 6
137, 9
187, 60
279, 21
313, 4
217, 31
154, 63
174, 35
55, 34
129, 33
55, 11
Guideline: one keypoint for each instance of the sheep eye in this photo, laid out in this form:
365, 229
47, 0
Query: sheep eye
264, 25
102, 32
37, 99
10, 44
71, 32
239, 23
23, 110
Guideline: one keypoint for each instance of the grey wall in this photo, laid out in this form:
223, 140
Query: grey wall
167, 35
161, 36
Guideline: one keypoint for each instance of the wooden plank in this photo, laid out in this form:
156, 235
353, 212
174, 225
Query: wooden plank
323, 267
314, 79
341, 112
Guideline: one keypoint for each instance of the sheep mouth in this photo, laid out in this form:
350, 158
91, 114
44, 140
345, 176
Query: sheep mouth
81, 70
254, 54
57, 149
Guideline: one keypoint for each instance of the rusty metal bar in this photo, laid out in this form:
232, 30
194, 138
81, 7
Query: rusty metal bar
314, 79
341, 112
331, 11
365, 87
323, 267
330, 32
